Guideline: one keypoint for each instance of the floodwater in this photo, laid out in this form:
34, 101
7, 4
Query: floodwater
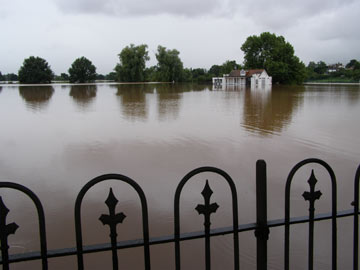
54, 139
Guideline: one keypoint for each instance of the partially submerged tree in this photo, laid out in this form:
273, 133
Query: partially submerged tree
35, 70
82, 70
276, 55
132, 63
170, 66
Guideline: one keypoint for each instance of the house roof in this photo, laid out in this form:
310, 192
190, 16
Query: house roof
235, 73
249, 73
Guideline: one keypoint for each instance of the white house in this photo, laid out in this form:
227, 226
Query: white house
253, 77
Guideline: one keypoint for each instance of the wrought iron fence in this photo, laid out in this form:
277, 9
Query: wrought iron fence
261, 227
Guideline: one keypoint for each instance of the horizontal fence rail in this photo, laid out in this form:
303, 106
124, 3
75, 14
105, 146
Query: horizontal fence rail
261, 227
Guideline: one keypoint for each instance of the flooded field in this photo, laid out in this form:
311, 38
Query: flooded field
54, 139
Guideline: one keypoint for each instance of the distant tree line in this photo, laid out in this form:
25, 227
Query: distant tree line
321, 71
266, 51
8, 77
131, 68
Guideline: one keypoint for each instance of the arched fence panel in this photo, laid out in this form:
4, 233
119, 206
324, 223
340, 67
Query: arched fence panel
112, 219
261, 226
311, 196
206, 209
7, 229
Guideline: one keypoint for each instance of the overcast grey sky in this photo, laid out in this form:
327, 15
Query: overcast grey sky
206, 32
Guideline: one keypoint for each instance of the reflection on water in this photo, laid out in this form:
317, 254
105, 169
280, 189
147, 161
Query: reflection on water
223, 87
0, 89
135, 105
36, 97
133, 100
169, 101
334, 93
83, 95
270, 110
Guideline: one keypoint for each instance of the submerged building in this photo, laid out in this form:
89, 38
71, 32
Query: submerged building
252, 77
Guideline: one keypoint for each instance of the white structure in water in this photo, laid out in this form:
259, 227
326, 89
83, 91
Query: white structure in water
252, 77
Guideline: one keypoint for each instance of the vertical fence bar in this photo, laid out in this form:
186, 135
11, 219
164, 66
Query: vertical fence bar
207, 209
311, 238
262, 230
311, 197
356, 220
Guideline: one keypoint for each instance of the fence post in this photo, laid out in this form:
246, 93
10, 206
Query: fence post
262, 230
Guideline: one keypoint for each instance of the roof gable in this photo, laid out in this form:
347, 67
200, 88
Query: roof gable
251, 72
235, 73
248, 73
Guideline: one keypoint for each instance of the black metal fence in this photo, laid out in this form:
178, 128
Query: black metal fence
261, 227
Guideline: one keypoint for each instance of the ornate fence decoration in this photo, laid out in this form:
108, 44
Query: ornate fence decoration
261, 228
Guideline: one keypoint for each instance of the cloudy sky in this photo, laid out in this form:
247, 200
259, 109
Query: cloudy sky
206, 32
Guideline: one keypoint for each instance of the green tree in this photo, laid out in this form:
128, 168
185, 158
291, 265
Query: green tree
356, 74
310, 71
229, 66
82, 70
1, 77
35, 70
169, 67
187, 75
354, 64
100, 77
11, 77
132, 63
320, 67
111, 76
64, 77
151, 74
200, 75
276, 55
215, 70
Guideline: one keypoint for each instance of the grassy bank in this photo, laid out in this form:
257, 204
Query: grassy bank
333, 80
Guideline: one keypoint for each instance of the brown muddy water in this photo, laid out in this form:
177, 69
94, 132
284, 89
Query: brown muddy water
54, 139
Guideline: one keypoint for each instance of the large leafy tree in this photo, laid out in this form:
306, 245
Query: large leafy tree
82, 70
215, 70
35, 70
225, 68
353, 64
170, 66
132, 63
275, 55
320, 67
